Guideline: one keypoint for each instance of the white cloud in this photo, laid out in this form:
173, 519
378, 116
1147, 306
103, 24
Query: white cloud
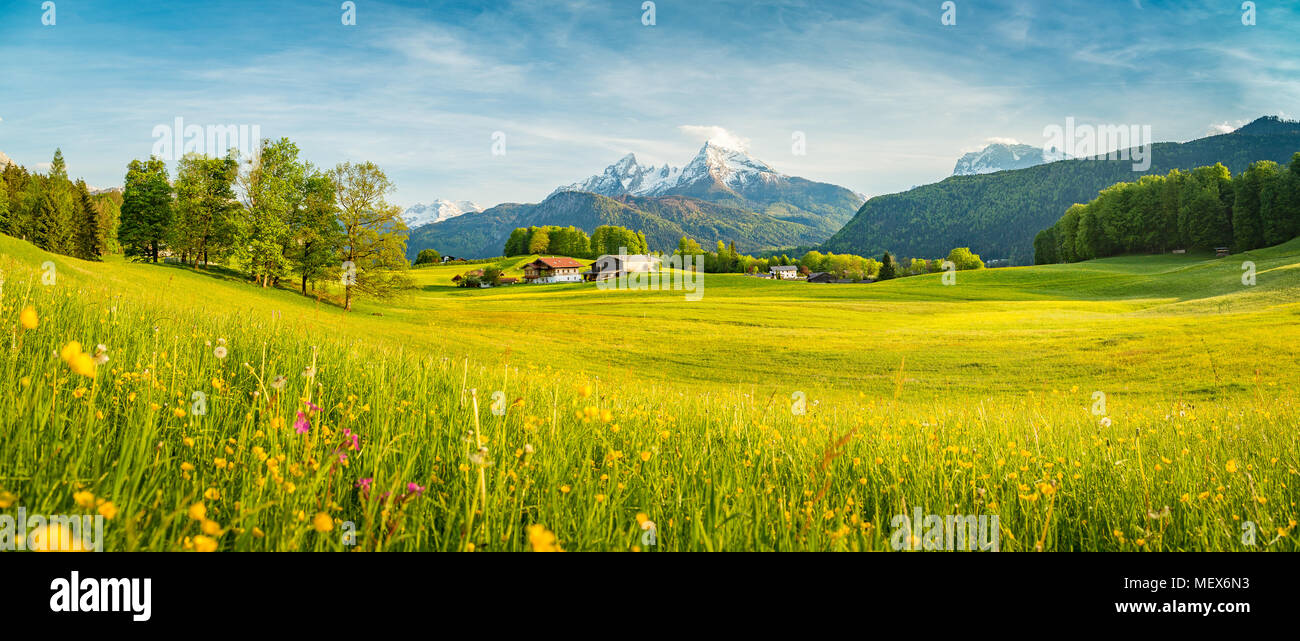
716, 135
1222, 128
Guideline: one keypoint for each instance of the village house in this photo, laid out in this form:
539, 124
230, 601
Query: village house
785, 272
459, 277
615, 266
553, 270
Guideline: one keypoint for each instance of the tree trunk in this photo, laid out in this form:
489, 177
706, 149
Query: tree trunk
347, 298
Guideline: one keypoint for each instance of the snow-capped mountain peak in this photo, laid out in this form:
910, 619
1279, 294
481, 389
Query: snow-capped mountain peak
731, 167
437, 211
1002, 156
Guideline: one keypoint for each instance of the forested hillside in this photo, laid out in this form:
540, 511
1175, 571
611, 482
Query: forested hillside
55, 213
1201, 209
997, 215
664, 220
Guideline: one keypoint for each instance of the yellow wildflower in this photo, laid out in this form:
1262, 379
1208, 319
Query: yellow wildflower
28, 317
322, 522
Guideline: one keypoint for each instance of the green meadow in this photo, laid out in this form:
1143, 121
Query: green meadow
765, 416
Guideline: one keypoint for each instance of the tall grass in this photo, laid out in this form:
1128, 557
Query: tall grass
455, 466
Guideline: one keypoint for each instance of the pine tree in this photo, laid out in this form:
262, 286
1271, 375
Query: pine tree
89, 228
56, 210
4, 207
888, 270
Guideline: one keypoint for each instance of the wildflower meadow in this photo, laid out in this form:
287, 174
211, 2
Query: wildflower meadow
202, 415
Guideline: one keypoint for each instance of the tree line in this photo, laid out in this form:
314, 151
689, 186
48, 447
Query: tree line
1204, 208
56, 214
725, 259
274, 217
574, 242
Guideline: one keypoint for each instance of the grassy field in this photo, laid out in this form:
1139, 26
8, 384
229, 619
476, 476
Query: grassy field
600, 411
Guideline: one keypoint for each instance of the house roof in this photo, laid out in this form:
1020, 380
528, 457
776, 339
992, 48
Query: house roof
559, 261
784, 268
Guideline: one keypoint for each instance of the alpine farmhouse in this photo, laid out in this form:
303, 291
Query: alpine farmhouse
553, 270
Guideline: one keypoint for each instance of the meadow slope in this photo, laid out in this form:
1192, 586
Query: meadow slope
601, 410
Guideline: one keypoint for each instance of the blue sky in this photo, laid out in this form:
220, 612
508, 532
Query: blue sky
886, 96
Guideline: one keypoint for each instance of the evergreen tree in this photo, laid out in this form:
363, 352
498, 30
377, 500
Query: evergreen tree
56, 210
4, 207
888, 270
89, 228
15, 183
58, 168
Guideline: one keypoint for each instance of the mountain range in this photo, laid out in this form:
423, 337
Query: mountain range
998, 214
721, 194
437, 211
1002, 157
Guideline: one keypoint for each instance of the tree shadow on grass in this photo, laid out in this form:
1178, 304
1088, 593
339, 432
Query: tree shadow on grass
226, 274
